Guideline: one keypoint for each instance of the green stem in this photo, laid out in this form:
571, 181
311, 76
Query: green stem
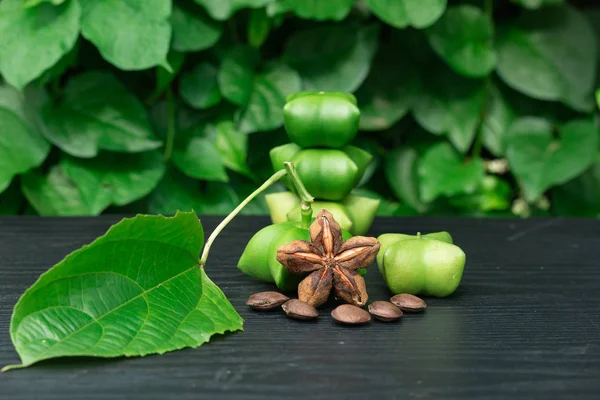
171, 117
306, 198
274, 178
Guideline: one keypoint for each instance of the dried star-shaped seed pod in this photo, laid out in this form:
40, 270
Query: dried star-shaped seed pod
331, 261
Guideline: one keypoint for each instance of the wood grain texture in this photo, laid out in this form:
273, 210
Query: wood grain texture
524, 324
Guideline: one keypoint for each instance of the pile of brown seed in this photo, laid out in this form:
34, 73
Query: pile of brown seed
345, 314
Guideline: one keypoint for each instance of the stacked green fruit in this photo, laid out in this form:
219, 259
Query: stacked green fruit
321, 126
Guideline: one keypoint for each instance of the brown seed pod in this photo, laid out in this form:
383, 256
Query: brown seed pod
385, 311
409, 303
265, 301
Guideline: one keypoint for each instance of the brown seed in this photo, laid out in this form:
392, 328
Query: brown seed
297, 309
350, 314
265, 301
409, 303
385, 311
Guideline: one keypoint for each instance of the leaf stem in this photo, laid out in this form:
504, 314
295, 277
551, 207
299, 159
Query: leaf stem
274, 178
306, 198
170, 124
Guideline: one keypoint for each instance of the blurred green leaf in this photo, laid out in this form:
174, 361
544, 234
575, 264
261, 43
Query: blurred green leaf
318, 9
332, 57
533, 4
264, 111
550, 54
494, 194
165, 77
223, 9
193, 30
403, 13
199, 88
443, 172
33, 39
232, 145
463, 37
540, 161
451, 105
131, 34
97, 112
401, 171
498, 117
389, 91
579, 197
112, 178
236, 74
259, 26
199, 158
22, 147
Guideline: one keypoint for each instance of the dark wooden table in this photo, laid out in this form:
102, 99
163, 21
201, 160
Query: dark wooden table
524, 324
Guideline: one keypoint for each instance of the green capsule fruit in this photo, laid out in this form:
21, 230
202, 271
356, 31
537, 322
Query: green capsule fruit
422, 265
321, 119
280, 204
387, 239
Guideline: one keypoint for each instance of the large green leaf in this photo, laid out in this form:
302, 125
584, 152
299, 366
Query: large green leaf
97, 112
53, 194
199, 158
581, 196
332, 57
178, 192
137, 290
198, 86
389, 91
401, 172
320, 10
131, 34
223, 9
540, 161
236, 74
498, 117
33, 39
193, 30
22, 147
533, 4
264, 111
403, 13
451, 105
550, 55
443, 172
232, 145
463, 37
112, 178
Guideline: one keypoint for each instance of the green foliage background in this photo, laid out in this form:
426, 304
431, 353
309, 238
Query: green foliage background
469, 107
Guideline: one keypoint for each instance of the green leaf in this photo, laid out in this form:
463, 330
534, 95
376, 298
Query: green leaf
403, 13
22, 147
200, 159
232, 145
550, 55
164, 77
11, 200
236, 75
401, 172
178, 192
33, 39
540, 161
53, 194
451, 105
494, 194
264, 111
463, 37
135, 291
131, 34
223, 9
389, 91
444, 173
115, 179
198, 87
193, 30
579, 197
533, 4
33, 3
333, 57
498, 117
259, 26
97, 112
320, 10
598, 98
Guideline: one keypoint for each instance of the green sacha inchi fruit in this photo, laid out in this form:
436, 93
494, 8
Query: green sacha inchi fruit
421, 264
